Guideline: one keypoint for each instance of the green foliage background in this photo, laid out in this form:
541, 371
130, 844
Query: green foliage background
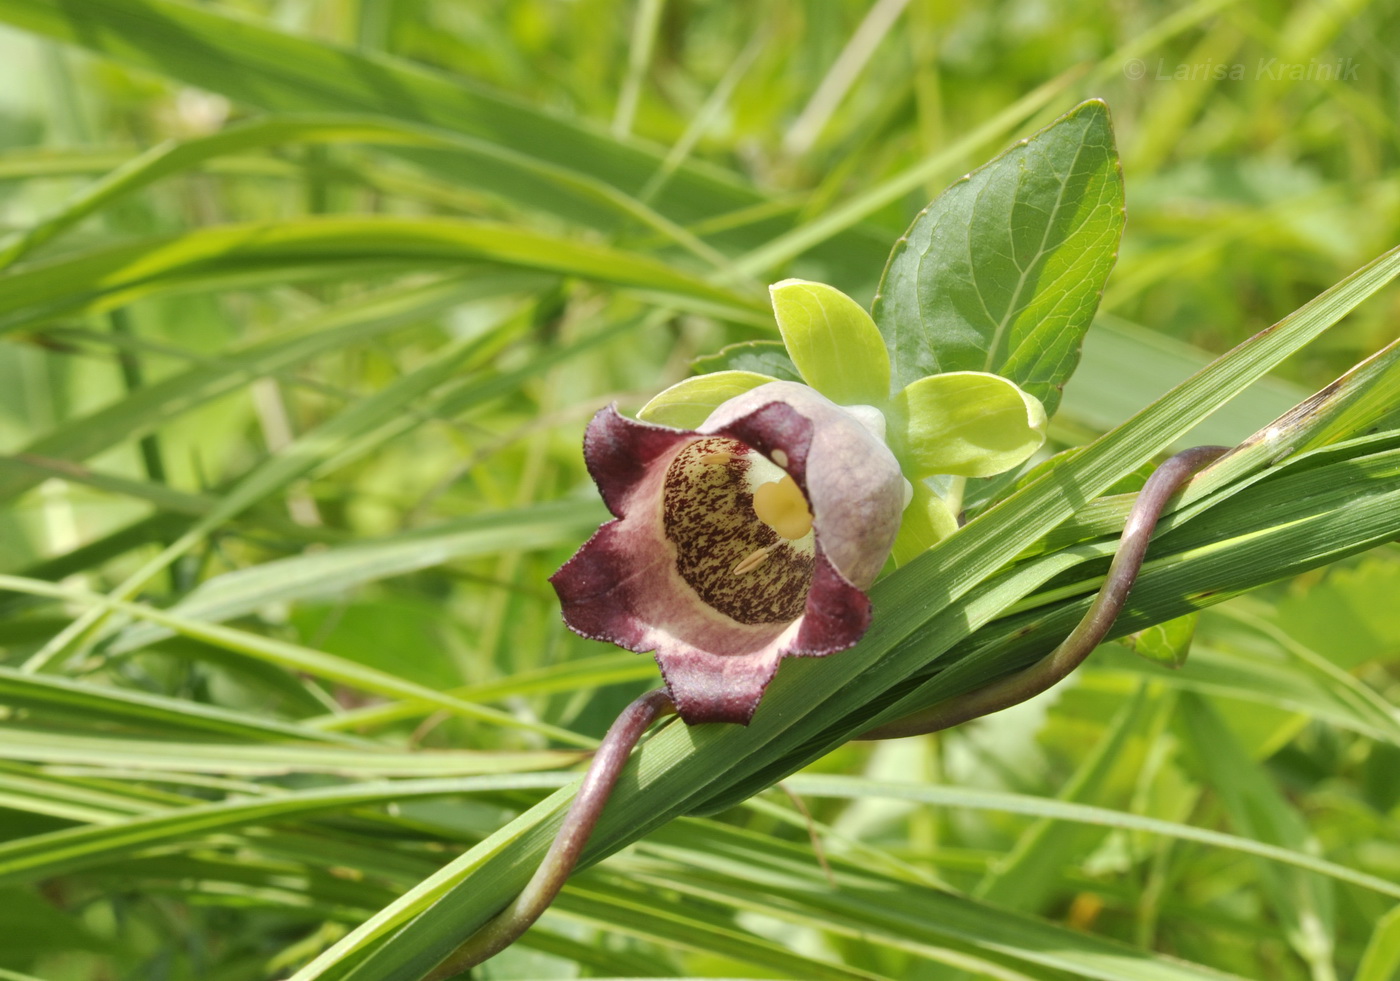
304, 307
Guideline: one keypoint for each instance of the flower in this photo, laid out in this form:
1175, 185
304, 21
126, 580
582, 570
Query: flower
749, 527
745, 540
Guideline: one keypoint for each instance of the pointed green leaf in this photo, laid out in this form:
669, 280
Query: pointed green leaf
964, 423
688, 403
332, 246
833, 342
1003, 271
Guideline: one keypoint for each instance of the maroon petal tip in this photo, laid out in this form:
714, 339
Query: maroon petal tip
712, 688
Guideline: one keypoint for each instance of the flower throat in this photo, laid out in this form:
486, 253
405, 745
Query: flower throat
743, 543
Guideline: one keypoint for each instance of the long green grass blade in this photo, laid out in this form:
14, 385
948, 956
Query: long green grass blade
45, 855
294, 657
358, 320
335, 247
173, 158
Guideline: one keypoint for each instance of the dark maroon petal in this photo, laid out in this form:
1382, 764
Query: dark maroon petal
623, 587
594, 590
776, 426
713, 688
838, 614
619, 453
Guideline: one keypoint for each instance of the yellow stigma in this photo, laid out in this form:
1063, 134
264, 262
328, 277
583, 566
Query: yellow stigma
781, 506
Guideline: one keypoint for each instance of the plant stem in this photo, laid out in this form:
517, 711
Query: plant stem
564, 853
1165, 481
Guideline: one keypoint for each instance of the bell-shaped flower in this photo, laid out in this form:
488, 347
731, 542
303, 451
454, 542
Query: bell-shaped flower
753, 513
751, 537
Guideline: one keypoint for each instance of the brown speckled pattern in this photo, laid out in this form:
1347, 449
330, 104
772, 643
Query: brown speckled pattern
708, 514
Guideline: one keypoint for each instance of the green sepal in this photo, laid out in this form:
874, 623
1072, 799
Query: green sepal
833, 342
964, 423
688, 403
927, 521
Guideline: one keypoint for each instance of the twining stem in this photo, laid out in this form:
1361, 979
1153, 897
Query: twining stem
617, 745
1165, 481
502, 931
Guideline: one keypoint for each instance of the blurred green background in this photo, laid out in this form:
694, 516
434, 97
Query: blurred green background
347, 350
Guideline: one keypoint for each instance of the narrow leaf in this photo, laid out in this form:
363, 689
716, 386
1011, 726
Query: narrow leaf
1381, 961
335, 246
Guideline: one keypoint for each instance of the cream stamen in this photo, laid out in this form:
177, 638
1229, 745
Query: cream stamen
752, 561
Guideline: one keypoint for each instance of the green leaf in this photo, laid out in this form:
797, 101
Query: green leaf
1125, 366
582, 674
172, 157
1265, 680
688, 403
261, 66
1365, 399
964, 423
1164, 643
64, 749
333, 247
1003, 271
764, 357
339, 570
120, 708
295, 657
1381, 962
779, 878
1258, 810
365, 317
832, 341
1064, 809
41, 856
695, 927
